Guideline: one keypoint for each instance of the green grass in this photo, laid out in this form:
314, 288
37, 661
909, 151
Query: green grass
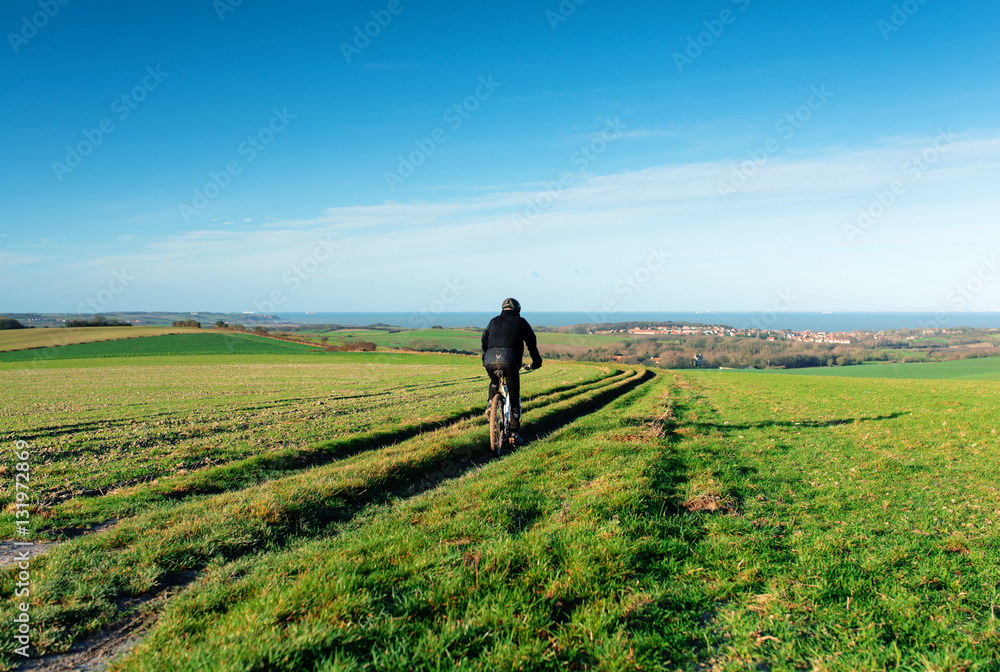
100, 428
703, 521
364, 334
461, 340
175, 345
445, 339
578, 340
21, 339
494, 572
867, 535
147, 551
982, 368
466, 340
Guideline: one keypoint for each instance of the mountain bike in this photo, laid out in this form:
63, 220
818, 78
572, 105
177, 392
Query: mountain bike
501, 434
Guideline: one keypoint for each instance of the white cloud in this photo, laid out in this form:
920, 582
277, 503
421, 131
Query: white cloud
784, 229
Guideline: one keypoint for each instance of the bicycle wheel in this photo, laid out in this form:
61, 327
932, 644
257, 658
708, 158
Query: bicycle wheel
496, 425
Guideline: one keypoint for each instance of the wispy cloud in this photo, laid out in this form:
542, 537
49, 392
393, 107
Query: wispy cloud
785, 227
17, 259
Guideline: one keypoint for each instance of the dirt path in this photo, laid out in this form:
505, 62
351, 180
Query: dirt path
94, 653
11, 551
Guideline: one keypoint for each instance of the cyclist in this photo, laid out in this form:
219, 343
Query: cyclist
503, 346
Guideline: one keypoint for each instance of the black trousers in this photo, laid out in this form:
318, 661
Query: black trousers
512, 372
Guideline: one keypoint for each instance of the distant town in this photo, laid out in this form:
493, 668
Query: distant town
806, 336
685, 345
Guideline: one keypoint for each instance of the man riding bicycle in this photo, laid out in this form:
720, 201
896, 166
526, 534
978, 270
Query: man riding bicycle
503, 346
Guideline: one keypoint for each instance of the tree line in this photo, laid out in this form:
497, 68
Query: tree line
98, 321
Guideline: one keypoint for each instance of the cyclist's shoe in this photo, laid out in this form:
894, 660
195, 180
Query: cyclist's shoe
519, 440
487, 412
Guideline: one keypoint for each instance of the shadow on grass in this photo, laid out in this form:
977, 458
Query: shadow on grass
252, 470
790, 424
313, 515
539, 430
288, 402
260, 468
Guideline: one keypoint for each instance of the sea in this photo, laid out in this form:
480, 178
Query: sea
792, 321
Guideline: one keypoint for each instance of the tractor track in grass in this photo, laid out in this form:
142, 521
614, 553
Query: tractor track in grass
258, 469
406, 477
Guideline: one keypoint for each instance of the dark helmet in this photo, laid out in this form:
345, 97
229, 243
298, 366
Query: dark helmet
511, 304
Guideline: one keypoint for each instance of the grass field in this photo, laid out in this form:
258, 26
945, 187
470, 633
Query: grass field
21, 339
982, 368
98, 428
465, 340
173, 345
339, 512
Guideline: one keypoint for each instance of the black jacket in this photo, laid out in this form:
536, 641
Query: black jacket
505, 338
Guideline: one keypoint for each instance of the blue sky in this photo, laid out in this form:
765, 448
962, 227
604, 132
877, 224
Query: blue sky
718, 155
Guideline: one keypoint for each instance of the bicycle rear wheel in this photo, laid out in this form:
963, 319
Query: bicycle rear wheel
496, 425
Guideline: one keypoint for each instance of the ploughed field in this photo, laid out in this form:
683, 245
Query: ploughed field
339, 511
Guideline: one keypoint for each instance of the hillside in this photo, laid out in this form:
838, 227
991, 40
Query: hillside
23, 339
980, 368
339, 511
